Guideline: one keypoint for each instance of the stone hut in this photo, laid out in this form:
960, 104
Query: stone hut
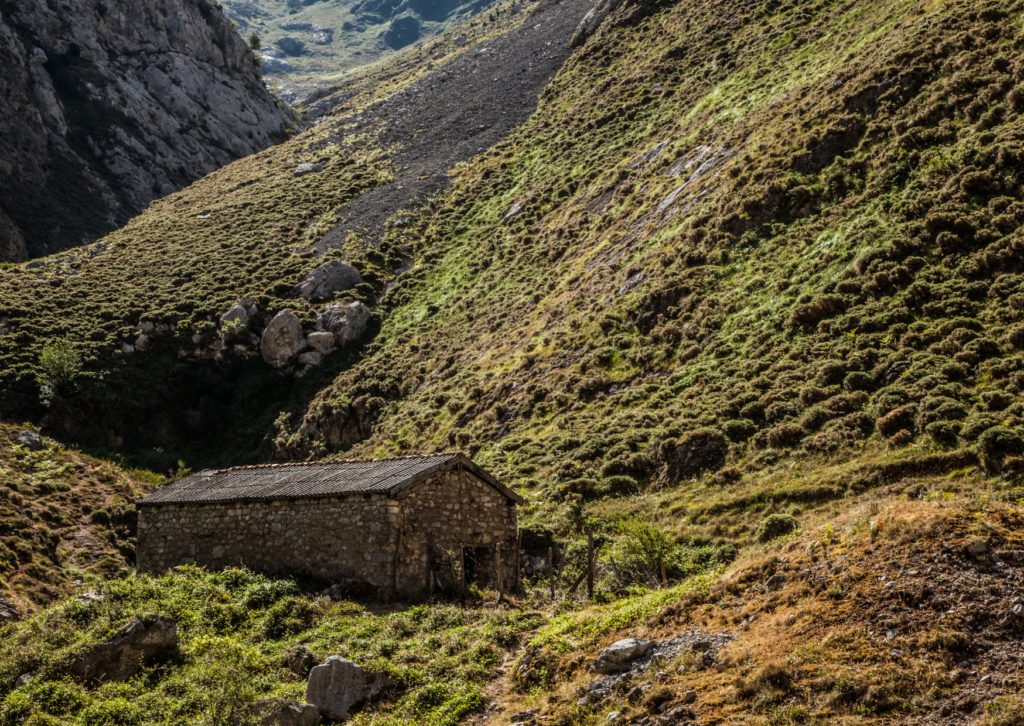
391, 524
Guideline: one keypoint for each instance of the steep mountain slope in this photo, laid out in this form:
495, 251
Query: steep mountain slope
64, 516
729, 242
111, 105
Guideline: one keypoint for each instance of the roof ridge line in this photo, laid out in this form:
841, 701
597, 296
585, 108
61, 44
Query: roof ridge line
321, 462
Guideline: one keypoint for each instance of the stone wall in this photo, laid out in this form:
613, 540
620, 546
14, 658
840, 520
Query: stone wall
339, 539
448, 509
392, 544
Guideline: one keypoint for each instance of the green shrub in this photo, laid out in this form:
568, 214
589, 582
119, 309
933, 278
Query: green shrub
1000, 441
776, 525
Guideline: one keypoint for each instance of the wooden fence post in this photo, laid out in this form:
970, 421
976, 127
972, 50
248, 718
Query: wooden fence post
501, 580
551, 573
462, 574
519, 559
590, 565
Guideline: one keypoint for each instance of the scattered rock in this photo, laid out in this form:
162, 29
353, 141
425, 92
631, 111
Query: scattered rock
282, 339
31, 440
345, 321
303, 169
335, 687
329, 278
24, 679
311, 358
291, 46
142, 342
976, 547
321, 341
275, 65
121, 657
592, 21
689, 697
459, 41
280, 712
775, 582
514, 211
238, 313
617, 656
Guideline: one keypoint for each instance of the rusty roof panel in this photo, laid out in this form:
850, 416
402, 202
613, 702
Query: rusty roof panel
291, 481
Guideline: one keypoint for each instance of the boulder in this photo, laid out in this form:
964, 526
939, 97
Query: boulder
312, 358
275, 65
121, 657
303, 169
8, 611
617, 656
238, 313
142, 342
24, 679
329, 278
346, 321
282, 340
321, 341
30, 440
280, 712
291, 46
335, 687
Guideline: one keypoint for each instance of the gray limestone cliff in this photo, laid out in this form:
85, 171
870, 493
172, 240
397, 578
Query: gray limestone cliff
106, 105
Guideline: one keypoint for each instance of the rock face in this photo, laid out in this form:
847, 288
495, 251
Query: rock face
282, 339
329, 278
335, 687
121, 657
108, 106
345, 321
592, 21
281, 712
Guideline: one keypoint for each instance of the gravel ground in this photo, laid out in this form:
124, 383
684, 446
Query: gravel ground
462, 108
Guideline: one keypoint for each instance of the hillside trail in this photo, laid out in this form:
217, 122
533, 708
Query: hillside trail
462, 108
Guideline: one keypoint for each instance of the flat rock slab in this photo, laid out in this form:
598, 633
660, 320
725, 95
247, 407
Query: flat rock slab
121, 657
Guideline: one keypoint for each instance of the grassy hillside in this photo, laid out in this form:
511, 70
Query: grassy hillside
876, 615
738, 260
780, 240
66, 518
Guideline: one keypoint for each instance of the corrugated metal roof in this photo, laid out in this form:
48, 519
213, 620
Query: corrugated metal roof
315, 479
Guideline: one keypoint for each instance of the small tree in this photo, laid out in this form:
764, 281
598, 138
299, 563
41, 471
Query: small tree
254, 40
294, 5
60, 365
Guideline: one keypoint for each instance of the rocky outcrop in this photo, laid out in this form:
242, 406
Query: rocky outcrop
121, 657
108, 106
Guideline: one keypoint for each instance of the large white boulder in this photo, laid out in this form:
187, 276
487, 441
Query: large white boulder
329, 278
282, 340
335, 687
346, 321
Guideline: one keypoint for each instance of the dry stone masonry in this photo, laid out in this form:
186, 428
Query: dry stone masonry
388, 523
